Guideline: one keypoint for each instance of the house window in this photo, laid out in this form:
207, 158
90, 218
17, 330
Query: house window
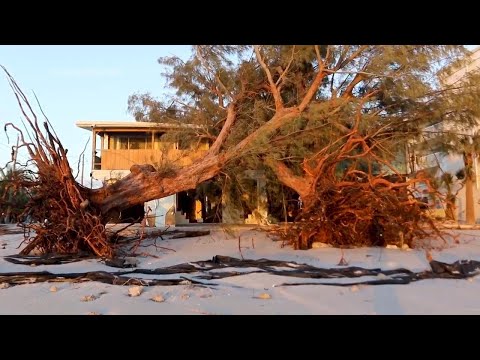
122, 143
132, 141
136, 143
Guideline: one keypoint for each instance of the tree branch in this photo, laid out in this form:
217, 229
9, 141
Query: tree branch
273, 87
319, 57
312, 90
333, 71
284, 72
278, 120
215, 148
298, 183
352, 57
348, 91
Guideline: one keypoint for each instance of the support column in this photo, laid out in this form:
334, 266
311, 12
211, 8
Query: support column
94, 146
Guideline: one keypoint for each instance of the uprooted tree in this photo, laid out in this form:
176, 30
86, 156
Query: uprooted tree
328, 121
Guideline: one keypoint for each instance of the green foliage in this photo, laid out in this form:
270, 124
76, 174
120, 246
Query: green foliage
13, 197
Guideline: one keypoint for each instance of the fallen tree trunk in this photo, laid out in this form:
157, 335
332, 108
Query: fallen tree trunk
144, 183
71, 218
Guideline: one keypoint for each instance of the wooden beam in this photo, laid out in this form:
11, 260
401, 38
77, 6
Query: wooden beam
94, 147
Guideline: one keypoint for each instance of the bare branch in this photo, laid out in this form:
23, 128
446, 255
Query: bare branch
312, 90
333, 71
352, 57
348, 91
215, 148
285, 72
273, 87
319, 57
80, 156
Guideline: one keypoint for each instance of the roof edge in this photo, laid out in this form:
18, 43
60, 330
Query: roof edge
91, 124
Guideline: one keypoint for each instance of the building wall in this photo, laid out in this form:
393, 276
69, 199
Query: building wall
473, 64
160, 207
453, 162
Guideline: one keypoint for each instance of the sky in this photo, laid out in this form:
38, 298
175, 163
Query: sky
79, 82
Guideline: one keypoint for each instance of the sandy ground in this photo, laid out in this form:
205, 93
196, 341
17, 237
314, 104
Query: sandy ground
256, 293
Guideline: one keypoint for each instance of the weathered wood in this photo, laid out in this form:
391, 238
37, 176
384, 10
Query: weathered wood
144, 183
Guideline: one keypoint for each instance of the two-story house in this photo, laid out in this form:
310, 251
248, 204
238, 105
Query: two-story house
117, 145
436, 162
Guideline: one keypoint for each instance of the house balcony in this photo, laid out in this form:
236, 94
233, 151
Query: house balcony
107, 159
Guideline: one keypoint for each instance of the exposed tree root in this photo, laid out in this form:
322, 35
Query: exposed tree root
65, 221
352, 197
362, 213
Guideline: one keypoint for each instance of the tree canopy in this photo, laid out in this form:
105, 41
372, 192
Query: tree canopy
290, 102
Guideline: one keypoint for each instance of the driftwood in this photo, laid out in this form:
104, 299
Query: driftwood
140, 238
461, 269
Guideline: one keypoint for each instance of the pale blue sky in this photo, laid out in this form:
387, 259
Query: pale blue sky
79, 83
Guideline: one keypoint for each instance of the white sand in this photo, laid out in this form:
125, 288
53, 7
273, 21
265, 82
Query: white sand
254, 293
